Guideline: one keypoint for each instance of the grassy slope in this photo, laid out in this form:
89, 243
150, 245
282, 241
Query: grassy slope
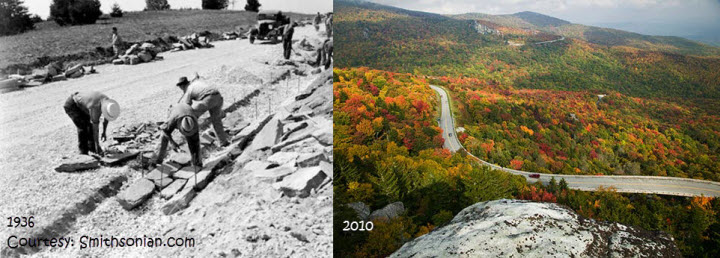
51, 40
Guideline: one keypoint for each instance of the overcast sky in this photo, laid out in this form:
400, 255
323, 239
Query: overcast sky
42, 7
657, 17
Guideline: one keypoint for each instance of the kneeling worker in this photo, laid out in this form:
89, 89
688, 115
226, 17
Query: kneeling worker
203, 97
182, 118
85, 109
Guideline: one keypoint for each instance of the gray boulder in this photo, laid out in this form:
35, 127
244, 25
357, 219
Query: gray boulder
507, 228
388, 212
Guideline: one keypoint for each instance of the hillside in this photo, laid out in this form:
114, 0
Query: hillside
602, 36
379, 37
50, 41
391, 169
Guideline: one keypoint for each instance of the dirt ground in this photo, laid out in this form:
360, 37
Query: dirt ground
36, 133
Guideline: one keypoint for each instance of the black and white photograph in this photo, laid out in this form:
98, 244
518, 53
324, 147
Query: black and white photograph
166, 128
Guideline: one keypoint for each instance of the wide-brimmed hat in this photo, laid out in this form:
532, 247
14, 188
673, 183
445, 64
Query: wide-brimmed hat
187, 126
183, 80
110, 109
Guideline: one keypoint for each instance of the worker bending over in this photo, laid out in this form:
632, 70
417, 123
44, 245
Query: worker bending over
85, 110
182, 117
203, 97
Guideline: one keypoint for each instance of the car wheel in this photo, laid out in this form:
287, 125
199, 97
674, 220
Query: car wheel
252, 39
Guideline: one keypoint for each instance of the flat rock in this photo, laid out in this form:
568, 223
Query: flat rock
283, 157
173, 188
325, 134
293, 127
181, 158
280, 146
362, 210
252, 129
327, 168
267, 137
202, 179
276, 173
180, 201
167, 169
78, 163
239, 127
136, 194
298, 116
301, 182
310, 159
186, 172
307, 130
117, 158
388, 212
214, 161
163, 182
256, 165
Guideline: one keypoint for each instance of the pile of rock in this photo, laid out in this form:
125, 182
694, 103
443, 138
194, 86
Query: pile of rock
292, 149
139, 53
192, 41
138, 136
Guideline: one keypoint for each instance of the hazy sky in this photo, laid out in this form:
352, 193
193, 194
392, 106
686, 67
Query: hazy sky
42, 7
658, 17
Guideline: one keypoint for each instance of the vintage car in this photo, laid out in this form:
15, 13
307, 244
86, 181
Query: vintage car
269, 27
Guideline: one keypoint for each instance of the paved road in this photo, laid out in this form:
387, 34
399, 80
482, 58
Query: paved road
625, 184
550, 41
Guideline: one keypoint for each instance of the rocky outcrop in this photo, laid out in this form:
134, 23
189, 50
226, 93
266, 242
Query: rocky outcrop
388, 212
505, 228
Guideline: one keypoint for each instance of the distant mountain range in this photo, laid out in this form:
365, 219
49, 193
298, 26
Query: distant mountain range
548, 24
505, 50
592, 34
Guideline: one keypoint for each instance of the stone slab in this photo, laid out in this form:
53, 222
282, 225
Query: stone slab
179, 201
203, 178
165, 170
161, 184
327, 168
310, 159
136, 194
276, 174
256, 165
173, 188
253, 128
301, 182
117, 158
78, 163
283, 157
267, 137
280, 146
181, 158
185, 172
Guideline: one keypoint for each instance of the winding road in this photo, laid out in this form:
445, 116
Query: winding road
626, 184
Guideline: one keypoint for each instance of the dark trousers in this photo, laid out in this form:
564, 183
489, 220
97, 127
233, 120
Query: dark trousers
193, 143
86, 139
287, 47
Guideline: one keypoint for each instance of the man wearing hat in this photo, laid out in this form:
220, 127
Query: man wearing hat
85, 109
203, 97
183, 119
